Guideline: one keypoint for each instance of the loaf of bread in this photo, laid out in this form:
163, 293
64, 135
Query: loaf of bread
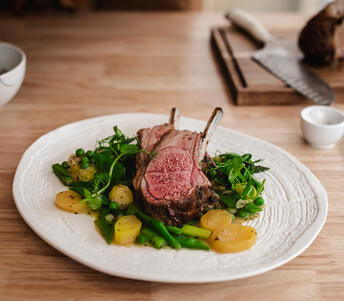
322, 39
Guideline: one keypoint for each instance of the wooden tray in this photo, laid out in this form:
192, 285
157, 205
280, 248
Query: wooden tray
250, 83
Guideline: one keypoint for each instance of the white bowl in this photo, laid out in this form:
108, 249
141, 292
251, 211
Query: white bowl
12, 71
322, 126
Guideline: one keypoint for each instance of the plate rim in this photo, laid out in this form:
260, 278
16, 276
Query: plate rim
311, 233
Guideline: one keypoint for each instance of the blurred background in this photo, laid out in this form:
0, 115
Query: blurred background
22, 7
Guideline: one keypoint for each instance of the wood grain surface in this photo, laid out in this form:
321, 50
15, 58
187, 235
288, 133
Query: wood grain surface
107, 63
253, 85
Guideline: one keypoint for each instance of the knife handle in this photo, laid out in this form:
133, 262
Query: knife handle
249, 23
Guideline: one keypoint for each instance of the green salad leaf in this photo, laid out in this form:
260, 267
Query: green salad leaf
231, 174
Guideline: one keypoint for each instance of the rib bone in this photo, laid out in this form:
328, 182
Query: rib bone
174, 117
209, 130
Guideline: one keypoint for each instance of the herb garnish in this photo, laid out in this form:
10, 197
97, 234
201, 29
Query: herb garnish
114, 160
231, 174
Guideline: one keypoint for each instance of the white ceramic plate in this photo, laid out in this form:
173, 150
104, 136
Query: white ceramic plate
296, 208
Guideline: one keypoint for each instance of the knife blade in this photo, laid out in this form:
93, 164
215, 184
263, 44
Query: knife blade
277, 60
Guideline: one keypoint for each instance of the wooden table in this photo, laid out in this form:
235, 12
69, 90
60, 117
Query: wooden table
106, 63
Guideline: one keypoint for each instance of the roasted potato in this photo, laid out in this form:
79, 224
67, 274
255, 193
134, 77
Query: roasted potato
233, 238
70, 201
78, 174
122, 195
216, 218
127, 228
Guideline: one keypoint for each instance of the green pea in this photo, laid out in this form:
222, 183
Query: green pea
243, 214
79, 152
89, 154
259, 201
113, 206
83, 163
65, 164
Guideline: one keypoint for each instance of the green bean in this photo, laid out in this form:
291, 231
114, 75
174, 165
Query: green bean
141, 239
62, 174
252, 208
254, 211
155, 239
105, 227
174, 230
192, 243
131, 210
195, 231
159, 227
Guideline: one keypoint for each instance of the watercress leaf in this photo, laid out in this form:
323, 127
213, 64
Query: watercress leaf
229, 200
127, 182
129, 149
245, 191
251, 193
86, 193
246, 157
231, 176
129, 140
105, 200
232, 155
99, 160
237, 162
103, 162
100, 180
117, 131
119, 171
94, 202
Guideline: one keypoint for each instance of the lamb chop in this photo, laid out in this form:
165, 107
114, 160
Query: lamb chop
149, 136
171, 184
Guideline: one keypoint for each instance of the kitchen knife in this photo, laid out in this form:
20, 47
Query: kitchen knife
280, 62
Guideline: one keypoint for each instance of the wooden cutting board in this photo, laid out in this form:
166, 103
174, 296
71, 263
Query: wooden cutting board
250, 83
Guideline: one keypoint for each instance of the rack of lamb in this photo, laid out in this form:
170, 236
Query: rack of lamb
171, 184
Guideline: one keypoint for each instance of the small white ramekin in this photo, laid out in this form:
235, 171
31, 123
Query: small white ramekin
322, 126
